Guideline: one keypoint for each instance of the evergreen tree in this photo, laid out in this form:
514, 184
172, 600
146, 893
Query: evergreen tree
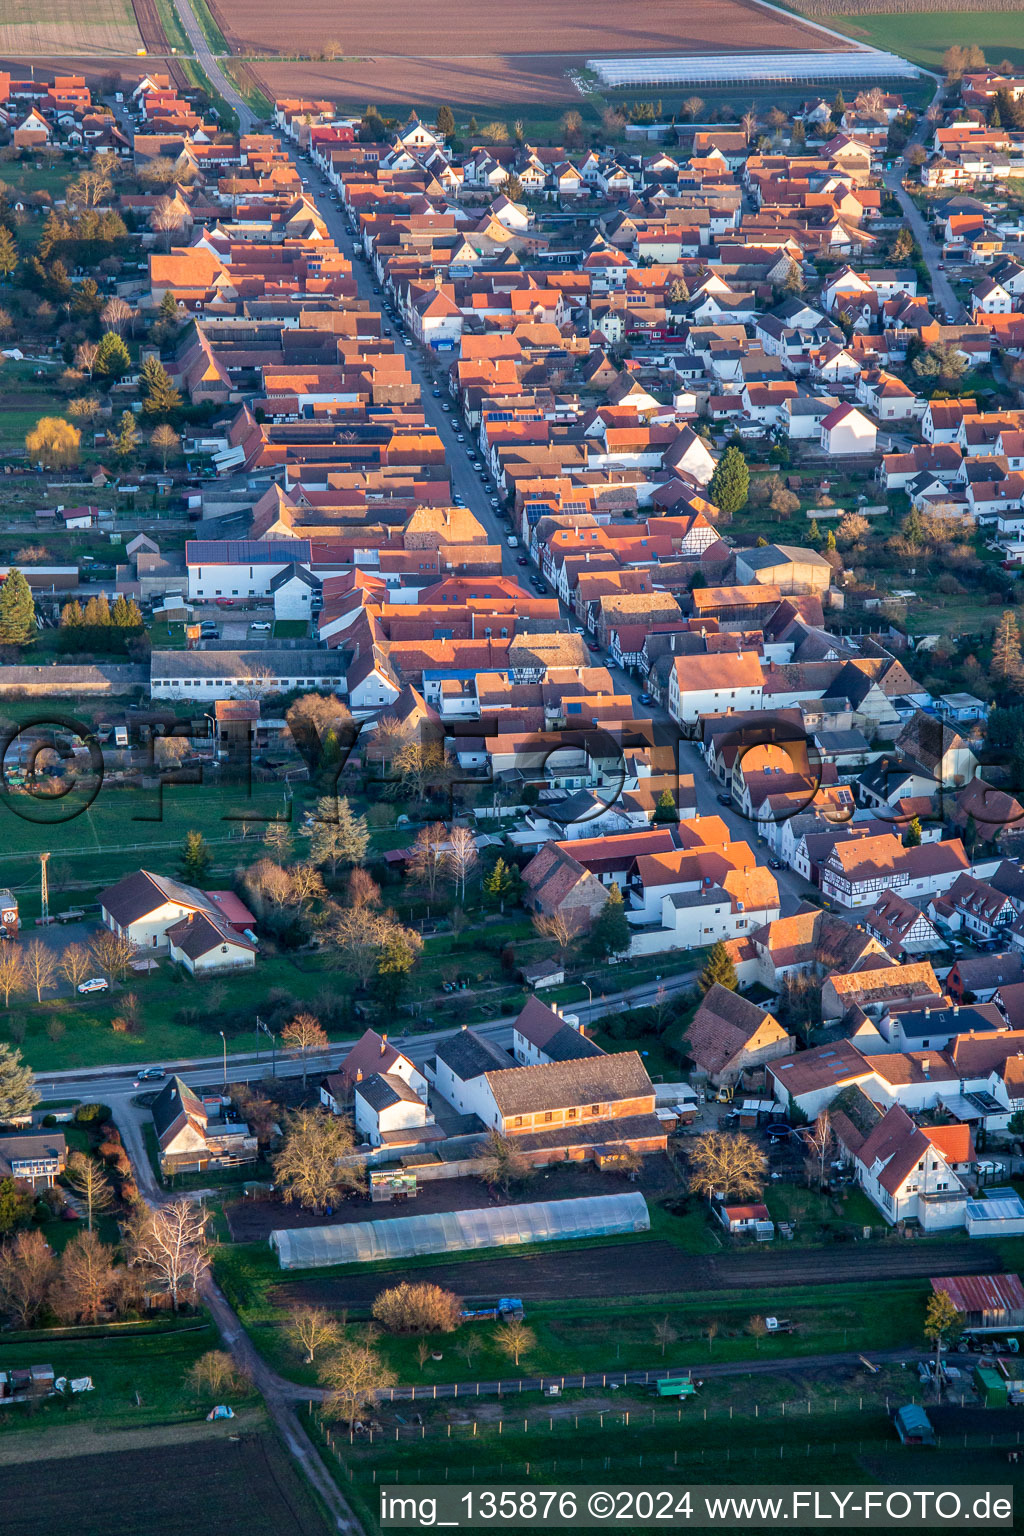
838, 107
830, 539
160, 397
970, 835
500, 884
112, 357
665, 810
8, 254
353, 832
18, 1096
97, 612
912, 836
127, 436
730, 483
610, 933
71, 615
814, 532
718, 968
119, 612
134, 620
17, 610
1006, 655
168, 310
473, 125
195, 857
445, 121
798, 136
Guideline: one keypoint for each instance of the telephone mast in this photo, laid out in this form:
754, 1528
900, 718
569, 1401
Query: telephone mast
44, 890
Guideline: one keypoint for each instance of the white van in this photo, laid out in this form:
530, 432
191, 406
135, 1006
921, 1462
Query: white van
512, 541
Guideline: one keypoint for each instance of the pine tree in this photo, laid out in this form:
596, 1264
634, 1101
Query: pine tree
71, 615
913, 529
168, 307
830, 540
912, 836
445, 121
119, 612
666, 810
1006, 655
112, 357
97, 612
127, 436
353, 834
8, 254
17, 610
838, 107
160, 397
195, 857
814, 532
134, 620
718, 968
500, 883
18, 1096
730, 483
610, 934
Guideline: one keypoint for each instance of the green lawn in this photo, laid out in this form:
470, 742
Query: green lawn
291, 629
137, 1378
595, 1335
924, 35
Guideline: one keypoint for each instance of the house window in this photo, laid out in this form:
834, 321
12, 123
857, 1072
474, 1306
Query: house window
595, 1109
518, 1120
570, 1114
548, 1117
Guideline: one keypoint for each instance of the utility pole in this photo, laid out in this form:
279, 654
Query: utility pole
224, 1042
44, 890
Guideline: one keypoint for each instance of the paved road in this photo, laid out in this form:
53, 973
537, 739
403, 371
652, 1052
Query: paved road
279, 1397
917, 224
208, 60
469, 484
119, 1084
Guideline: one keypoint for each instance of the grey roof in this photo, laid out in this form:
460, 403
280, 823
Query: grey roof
468, 1055
246, 551
384, 1089
567, 1044
141, 893
174, 1100
982, 1018
294, 572
249, 664
780, 554
32, 1145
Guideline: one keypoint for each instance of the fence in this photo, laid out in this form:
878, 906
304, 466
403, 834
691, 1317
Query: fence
791, 1449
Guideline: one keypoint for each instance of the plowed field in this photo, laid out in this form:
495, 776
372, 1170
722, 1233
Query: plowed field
89, 28
474, 52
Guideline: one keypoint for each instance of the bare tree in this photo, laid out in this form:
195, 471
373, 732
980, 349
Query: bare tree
13, 973
86, 1278
27, 1272
306, 1037
418, 1308
41, 967
117, 314
170, 1241
502, 1164
820, 1140
313, 1329
85, 356
514, 1338
757, 1328
428, 853
665, 1334
215, 1374
460, 856
113, 953
353, 1376
75, 965
310, 1164
561, 929
731, 1164
711, 1331
87, 1178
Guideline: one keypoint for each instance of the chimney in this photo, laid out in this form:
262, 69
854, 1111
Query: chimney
359, 1074
383, 1045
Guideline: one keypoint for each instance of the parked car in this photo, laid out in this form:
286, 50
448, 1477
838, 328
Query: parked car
94, 984
724, 799
522, 560
261, 627
647, 698
511, 541
593, 647
495, 501
436, 394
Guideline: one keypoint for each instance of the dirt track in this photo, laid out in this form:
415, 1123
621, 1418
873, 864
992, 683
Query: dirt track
655, 1268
